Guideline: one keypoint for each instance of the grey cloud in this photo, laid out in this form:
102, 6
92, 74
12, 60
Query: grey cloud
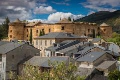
101, 5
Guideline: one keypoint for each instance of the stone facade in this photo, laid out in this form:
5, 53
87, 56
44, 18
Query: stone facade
21, 31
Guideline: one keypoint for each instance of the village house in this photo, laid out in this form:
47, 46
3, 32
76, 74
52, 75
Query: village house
49, 39
96, 60
43, 62
11, 54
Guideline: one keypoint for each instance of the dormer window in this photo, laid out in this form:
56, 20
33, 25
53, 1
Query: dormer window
62, 28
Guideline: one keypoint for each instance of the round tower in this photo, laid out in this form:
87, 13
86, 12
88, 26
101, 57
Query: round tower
16, 30
105, 30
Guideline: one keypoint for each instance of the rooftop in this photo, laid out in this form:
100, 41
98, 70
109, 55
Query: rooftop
92, 56
104, 24
44, 61
9, 46
60, 35
105, 65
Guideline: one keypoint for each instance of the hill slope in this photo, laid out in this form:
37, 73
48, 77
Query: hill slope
111, 18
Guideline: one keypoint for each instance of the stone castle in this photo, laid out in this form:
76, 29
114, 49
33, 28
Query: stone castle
19, 30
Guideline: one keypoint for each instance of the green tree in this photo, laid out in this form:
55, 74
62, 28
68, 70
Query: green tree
30, 36
40, 33
114, 75
69, 18
115, 38
43, 32
93, 31
58, 71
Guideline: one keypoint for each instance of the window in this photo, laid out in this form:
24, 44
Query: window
27, 30
49, 30
50, 42
27, 35
12, 56
62, 28
104, 29
36, 42
10, 30
36, 31
88, 30
10, 36
41, 42
45, 43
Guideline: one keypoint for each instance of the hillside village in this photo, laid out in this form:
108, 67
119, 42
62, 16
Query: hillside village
83, 44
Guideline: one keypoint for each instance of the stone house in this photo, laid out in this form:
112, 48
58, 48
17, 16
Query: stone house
97, 60
48, 40
43, 62
11, 54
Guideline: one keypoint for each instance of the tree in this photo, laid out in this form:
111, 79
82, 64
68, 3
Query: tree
115, 38
31, 36
40, 33
43, 32
93, 33
58, 71
69, 18
114, 75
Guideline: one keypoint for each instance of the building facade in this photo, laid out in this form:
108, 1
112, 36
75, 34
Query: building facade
21, 31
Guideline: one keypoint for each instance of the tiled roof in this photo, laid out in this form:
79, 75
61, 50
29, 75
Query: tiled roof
95, 40
3, 42
104, 24
44, 61
105, 65
92, 56
9, 46
60, 35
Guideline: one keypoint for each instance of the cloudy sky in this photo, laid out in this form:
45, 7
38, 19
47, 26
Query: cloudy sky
53, 10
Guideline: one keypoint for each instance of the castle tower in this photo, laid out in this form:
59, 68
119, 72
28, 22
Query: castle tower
16, 30
105, 30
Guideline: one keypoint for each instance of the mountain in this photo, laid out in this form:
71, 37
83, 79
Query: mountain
111, 18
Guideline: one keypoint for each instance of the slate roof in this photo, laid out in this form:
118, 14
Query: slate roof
104, 24
105, 65
60, 35
3, 42
17, 20
9, 46
43, 61
95, 40
113, 53
92, 56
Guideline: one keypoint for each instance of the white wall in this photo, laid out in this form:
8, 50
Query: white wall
86, 65
3, 67
47, 53
41, 44
113, 47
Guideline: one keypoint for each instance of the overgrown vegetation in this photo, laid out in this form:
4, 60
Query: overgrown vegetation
58, 71
114, 75
4, 28
115, 38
